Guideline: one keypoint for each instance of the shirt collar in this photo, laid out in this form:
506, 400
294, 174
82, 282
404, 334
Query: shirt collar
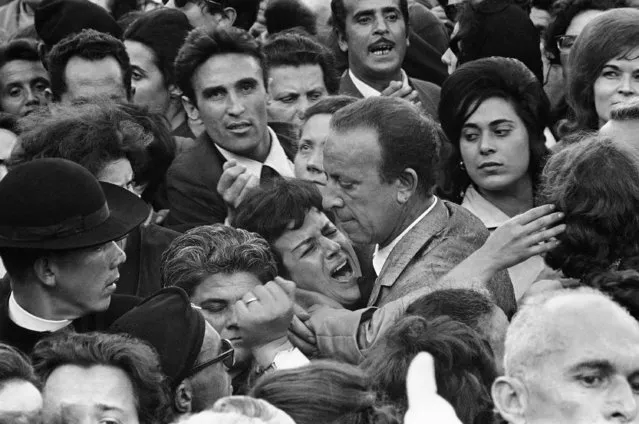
490, 215
276, 159
381, 255
24, 319
367, 90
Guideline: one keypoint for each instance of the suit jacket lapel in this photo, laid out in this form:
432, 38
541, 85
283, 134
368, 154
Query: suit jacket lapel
409, 246
347, 87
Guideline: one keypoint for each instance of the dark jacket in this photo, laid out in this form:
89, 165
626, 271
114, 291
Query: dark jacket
427, 91
25, 340
140, 274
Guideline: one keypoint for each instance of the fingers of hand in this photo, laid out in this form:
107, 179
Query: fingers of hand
228, 177
229, 164
302, 331
300, 312
533, 214
287, 285
234, 194
307, 348
544, 222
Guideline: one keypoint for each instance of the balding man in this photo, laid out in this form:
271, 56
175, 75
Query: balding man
572, 356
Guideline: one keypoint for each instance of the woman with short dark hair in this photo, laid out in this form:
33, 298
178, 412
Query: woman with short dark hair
604, 68
494, 112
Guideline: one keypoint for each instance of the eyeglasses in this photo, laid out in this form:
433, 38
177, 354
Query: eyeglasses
227, 357
565, 42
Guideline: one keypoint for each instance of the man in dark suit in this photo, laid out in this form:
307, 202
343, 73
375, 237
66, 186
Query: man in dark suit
58, 243
222, 73
374, 34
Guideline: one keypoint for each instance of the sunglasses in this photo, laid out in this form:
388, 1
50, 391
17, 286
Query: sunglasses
227, 357
565, 42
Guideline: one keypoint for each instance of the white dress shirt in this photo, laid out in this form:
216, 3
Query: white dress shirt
381, 255
24, 319
368, 91
276, 159
523, 274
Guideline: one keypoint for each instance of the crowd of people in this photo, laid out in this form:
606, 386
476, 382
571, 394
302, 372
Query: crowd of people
319, 211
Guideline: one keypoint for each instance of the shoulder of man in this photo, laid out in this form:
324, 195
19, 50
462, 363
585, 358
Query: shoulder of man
429, 94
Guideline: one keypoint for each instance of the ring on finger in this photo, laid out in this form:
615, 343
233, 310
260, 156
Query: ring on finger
248, 301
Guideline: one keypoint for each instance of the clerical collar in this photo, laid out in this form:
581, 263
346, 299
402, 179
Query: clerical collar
24, 319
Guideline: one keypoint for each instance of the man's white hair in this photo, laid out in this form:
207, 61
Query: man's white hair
530, 337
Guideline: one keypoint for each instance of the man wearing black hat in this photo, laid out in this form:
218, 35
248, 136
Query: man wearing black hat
193, 356
58, 233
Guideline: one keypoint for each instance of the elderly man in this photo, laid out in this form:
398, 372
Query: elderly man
192, 354
381, 158
572, 356
89, 64
374, 35
222, 73
58, 244
99, 377
23, 79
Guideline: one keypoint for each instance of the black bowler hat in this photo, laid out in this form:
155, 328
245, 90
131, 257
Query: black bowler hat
168, 322
57, 19
57, 204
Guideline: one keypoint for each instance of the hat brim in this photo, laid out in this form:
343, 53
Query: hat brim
127, 211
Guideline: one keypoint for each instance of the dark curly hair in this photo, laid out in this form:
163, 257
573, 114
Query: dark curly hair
90, 45
136, 358
621, 284
613, 34
472, 84
595, 183
464, 364
324, 391
290, 49
561, 15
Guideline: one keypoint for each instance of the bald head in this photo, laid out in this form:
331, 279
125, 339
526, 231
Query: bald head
556, 322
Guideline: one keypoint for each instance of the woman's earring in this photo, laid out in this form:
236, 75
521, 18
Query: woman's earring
461, 165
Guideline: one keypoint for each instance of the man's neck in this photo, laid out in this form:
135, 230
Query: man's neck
380, 82
42, 306
409, 214
262, 151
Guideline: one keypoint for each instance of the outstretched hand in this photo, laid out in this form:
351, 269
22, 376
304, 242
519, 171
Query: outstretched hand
523, 236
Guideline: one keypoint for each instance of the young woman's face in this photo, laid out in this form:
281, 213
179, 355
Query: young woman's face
617, 83
494, 146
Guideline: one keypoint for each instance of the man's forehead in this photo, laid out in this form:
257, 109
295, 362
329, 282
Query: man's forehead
358, 145
354, 6
22, 70
226, 70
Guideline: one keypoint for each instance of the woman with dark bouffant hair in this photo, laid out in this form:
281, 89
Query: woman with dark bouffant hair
595, 183
324, 391
494, 112
604, 64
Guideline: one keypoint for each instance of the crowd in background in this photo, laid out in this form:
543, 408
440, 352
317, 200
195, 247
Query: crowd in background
319, 211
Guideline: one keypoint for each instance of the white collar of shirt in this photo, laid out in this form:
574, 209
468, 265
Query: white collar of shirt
24, 319
276, 159
490, 215
381, 255
367, 90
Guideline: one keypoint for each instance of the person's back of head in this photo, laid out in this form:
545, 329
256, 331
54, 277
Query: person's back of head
331, 391
82, 371
407, 137
20, 398
89, 51
595, 184
464, 364
282, 15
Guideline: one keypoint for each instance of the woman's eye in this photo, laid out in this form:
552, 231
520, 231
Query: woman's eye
470, 136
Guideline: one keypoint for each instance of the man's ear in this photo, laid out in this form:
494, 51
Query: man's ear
510, 398
45, 269
229, 15
341, 41
407, 185
183, 398
191, 110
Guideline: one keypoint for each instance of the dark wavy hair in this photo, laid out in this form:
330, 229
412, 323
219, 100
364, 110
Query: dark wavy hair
324, 391
289, 49
561, 15
611, 35
89, 45
595, 183
464, 364
137, 359
472, 84
15, 365
621, 284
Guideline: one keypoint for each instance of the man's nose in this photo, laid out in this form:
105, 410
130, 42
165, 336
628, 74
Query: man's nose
622, 402
331, 198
